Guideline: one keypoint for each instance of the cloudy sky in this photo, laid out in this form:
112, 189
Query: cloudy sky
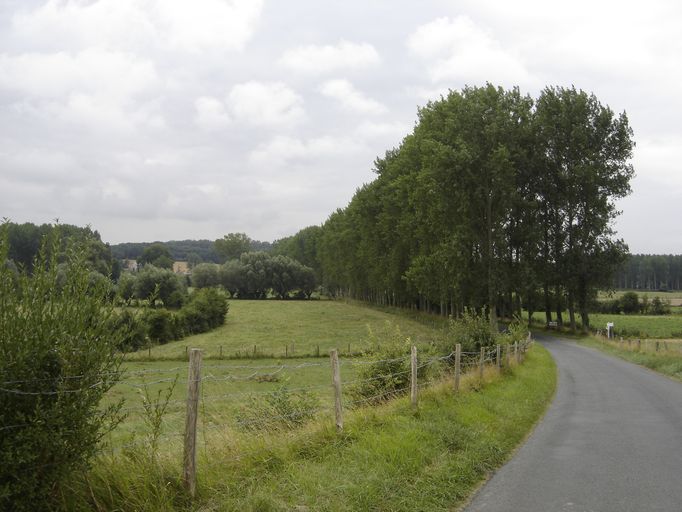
174, 119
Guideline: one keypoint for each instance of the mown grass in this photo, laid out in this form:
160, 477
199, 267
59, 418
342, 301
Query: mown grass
667, 360
388, 457
643, 326
293, 328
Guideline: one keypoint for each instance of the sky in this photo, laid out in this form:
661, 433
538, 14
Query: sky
169, 120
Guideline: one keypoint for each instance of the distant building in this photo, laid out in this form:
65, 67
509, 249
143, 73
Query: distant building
182, 268
129, 265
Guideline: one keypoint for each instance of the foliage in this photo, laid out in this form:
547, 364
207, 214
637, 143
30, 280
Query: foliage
494, 200
650, 272
257, 274
630, 303
153, 283
205, 275
232, 246
658, 307
472, 331
25, 242
281, 409
156, 254
205, 310
388, 370
57, 361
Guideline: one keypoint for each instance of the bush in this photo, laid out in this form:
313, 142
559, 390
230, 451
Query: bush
57, 360
281, 409
659, 307
205, 310
630, 303
388, 373
133, 330
159, 325
472, 330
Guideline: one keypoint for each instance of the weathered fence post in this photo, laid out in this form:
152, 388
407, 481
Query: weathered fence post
516, 351
458, 365
657, 346
413, 376
481, 363
639, 345
336, 381
189, 473
186, 352
507, 352
498, 360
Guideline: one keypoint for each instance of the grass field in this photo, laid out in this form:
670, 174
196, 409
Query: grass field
275, 328
675, 297
667, 360
388, 457
642, 326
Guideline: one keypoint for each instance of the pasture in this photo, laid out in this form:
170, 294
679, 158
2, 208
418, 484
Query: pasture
274, 327
638, 326
292, 328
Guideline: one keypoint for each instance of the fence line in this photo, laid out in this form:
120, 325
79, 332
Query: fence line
460, 362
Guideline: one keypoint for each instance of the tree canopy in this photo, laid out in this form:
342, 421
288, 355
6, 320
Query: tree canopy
495, 201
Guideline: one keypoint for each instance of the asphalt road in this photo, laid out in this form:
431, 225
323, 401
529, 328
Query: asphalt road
611, 441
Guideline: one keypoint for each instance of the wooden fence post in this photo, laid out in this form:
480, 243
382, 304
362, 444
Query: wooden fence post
458, 365
516, 351
657, 346
189, 473
497, 358
639, 345
413, 376
481, 363
336, 381
186, 352
507, 352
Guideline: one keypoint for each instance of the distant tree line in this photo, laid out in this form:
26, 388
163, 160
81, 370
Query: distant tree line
495, 201
192, 251
650, 272
25, 240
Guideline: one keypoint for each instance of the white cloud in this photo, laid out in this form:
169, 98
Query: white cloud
459, 50
351, 98
282, 150
107, 73
371, 130
208, 24
171, 24
265, 104
328, 58
211, 113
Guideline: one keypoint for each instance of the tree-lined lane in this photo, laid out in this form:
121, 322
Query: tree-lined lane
610, 442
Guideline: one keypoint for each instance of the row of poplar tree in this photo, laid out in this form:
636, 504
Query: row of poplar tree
496, 201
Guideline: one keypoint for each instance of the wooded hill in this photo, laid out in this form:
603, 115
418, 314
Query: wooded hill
494, 201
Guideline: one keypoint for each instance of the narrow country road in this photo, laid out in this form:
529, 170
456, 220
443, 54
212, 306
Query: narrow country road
611, 442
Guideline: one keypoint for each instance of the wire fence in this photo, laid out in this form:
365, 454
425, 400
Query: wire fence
221, 397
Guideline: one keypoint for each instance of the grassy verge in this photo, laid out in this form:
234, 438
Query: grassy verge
388, 457
667, 362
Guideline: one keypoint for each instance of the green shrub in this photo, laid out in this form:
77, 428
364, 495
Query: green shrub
159, 325
205, 310
472, 330
133, 330
281, 409
57, 360
388, 370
